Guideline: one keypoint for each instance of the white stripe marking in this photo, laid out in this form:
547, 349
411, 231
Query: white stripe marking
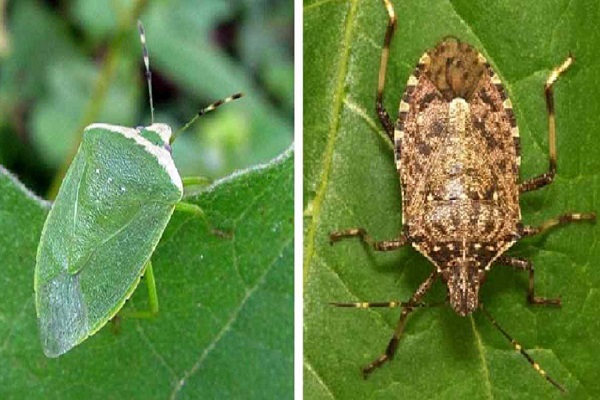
161, 154
412, 80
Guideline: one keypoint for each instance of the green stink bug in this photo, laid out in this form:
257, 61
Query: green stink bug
111, 210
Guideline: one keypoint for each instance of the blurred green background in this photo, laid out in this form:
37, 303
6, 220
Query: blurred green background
65, 64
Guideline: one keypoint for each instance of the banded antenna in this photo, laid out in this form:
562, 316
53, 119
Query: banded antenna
147, 65
200, 113
207, 109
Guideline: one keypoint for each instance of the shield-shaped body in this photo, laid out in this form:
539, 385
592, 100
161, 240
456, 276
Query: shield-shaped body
457, 152
108, 217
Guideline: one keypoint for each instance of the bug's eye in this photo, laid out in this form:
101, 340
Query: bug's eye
139, 128
168, 148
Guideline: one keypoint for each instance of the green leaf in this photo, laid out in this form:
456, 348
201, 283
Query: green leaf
350, 180
224, 329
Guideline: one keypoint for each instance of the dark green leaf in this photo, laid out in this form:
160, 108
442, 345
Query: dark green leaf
350, 180
224, 329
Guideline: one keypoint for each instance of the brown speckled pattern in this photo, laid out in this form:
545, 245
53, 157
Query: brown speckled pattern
458, 167
457, 150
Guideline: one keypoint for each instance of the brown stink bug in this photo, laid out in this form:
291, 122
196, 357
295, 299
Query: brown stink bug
456, 145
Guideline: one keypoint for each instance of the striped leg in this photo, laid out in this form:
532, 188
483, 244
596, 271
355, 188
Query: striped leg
383, 115
528, 230
384, 245
407, 308
527, 265
384, 304
546, 178
519, 348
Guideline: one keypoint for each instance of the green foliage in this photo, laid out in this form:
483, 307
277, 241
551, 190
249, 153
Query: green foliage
350, 180
80, 62
224, 329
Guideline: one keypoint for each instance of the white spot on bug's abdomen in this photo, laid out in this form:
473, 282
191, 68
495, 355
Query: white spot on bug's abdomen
404, 107
161, 154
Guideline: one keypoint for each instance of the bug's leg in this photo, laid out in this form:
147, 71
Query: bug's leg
192, 185
151, 283
383, 115
384, 304
527, 265
190, 208
152, 296
528, 230
546, 178
407, 308
190, 181
115, 324
519, 348
384, 245
197, 211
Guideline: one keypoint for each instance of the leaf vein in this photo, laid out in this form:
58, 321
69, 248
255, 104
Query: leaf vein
331, 140
309, 367
154, 351
484, 369
227, 327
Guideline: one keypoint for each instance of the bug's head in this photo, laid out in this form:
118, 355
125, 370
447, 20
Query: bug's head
463, 278
157, 134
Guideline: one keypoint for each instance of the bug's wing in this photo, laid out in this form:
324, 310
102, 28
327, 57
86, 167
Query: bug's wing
108, 217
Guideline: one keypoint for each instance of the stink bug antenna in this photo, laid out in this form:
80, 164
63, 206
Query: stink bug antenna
520, 349
147, 65
205, 110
